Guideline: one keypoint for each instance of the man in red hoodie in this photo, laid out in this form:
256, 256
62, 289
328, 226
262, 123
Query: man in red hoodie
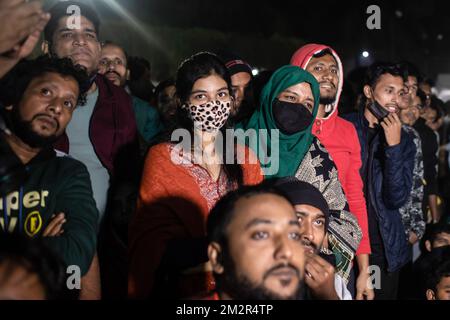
341, 140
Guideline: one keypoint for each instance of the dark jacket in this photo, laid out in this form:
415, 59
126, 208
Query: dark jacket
112, 130
387, 172
430, 160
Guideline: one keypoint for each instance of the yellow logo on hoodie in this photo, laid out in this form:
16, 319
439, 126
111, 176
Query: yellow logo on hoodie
33, 224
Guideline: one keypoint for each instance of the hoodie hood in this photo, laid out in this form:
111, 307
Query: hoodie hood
303, 56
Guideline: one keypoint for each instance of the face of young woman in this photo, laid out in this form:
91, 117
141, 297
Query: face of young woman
210, 103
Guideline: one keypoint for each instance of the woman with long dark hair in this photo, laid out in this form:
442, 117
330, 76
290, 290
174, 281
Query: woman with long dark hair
183, 178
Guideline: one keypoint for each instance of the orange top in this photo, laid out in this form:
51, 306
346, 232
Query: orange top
175, 198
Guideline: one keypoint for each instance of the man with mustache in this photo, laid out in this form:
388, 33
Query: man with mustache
40, 97
313, 215
255, 246
341, 140
114, 66
102, 133
388, 154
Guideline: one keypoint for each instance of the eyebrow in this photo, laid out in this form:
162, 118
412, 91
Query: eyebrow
320, 216
85, 30
295, 93
203, 91
53, 86
258, 221
65, 30
333, 64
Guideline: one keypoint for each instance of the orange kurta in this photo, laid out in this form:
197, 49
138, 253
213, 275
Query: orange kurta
174, 202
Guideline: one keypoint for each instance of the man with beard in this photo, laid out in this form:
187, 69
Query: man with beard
255, 246
388, 154
341, 140
313, 214
41, 97
114, 66
102, 133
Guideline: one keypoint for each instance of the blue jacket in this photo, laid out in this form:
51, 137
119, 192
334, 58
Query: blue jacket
388, 186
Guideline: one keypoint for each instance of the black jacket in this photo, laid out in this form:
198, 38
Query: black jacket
430, 159
387, 174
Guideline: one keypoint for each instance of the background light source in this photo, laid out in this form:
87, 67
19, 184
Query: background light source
365, 54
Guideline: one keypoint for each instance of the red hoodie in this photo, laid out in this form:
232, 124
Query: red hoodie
341, 140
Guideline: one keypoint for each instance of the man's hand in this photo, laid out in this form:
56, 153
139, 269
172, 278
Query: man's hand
55, 227
27, 47
19, 44
363, 291
18, 20
413, 238
392, 127
320, 278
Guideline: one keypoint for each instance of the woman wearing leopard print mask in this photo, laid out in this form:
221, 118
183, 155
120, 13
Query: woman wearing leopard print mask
167, 246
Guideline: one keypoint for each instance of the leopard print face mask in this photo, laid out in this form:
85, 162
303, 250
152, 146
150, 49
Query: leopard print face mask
211, 116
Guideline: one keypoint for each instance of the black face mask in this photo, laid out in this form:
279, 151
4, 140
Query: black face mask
291, 118
377, 110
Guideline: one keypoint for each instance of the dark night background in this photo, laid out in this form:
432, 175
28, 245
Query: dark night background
266, 33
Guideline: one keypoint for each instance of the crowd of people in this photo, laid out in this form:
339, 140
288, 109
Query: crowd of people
142, 192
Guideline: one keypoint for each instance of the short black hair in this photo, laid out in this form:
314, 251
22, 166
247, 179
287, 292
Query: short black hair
439, 106
60, 10
161, 87
436, 229
437, 268
428, 81
112, 43
137, 66
410, 70
223, 212
422, 96
377, 69
16, 82
35, 257
323, 53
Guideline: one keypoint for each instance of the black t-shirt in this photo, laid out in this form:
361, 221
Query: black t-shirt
376, 242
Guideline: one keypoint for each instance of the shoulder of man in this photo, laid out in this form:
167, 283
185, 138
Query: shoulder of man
346, 125
350, 117
142, 105
68, 164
